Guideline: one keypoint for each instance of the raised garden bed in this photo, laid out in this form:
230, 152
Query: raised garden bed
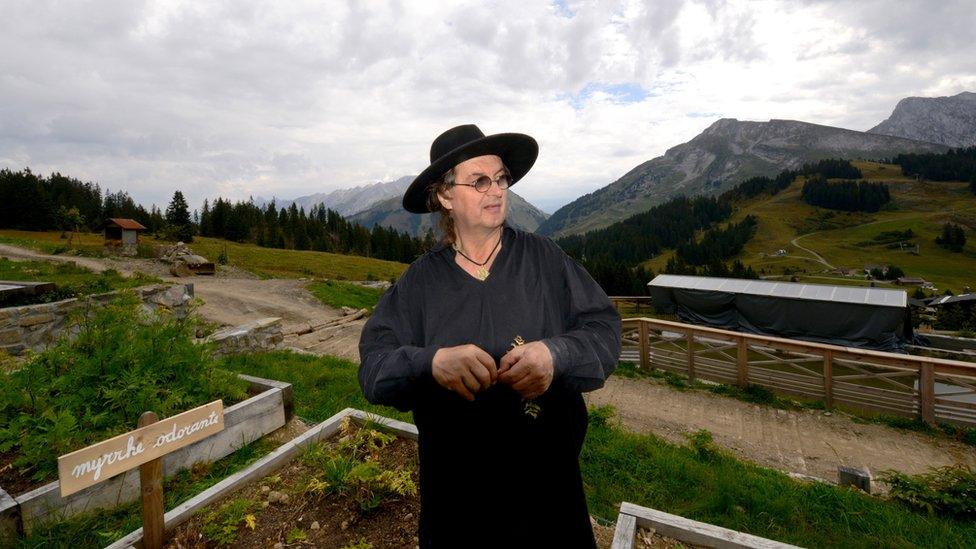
244, 422
354, 491
698, 534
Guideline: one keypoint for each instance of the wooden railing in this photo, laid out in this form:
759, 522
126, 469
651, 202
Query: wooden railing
936, 390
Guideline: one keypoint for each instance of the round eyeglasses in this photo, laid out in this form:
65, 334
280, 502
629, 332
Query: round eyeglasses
483, 183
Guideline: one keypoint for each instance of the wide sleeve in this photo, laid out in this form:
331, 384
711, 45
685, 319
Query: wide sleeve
587, 353
393, 364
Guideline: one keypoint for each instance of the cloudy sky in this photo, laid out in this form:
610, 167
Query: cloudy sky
246, 98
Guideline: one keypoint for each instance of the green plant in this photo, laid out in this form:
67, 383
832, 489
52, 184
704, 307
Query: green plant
351, 466
704, 447
121, 364
222, 525
948, 491
222, 258
295, 535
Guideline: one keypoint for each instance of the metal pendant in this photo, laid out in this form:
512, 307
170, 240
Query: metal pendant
481, 274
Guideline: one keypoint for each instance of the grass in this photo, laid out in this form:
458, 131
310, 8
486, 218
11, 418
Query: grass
276, 263
704, 483
323, 385
71, 280
104, 527
338, 294
265, 262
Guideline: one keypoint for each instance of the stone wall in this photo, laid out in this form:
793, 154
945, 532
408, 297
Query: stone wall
259, 335
36, 327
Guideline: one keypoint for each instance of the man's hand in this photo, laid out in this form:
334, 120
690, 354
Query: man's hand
465, 369
528, 369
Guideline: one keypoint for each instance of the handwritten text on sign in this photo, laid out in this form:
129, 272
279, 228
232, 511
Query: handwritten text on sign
83, 468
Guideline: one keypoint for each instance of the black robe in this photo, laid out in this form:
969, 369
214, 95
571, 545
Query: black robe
490, 475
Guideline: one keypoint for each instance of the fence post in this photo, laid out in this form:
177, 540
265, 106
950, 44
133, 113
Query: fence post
690, 342
645, 359
828, 375
742, 363
926, 393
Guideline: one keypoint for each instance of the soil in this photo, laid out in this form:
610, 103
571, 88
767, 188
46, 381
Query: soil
340, 521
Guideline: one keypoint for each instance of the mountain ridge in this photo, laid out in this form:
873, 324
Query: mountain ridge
725, 153
948, 120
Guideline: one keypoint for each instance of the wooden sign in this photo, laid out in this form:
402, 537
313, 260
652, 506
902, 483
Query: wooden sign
83, 468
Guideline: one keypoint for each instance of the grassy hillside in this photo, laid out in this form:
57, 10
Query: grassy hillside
847, 239
267, 262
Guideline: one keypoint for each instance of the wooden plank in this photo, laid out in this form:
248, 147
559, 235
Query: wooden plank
623, 534
151, 484
926, 390
257, 470
10, 525
690, 351
88, 466
699, 533
269, 464
828, 379
742, 363
244, 422
644, 352
260, 385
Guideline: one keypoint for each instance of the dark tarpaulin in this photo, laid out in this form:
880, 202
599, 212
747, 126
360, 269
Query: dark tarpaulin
838, 323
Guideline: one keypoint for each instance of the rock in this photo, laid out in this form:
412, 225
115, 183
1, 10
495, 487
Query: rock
265, 489
344, 525
275, 496
179, 269
279, 545
408, 517
264, 504
346, 311
315, 525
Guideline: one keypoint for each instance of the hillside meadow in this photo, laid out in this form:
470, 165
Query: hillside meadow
848, 239
264, 262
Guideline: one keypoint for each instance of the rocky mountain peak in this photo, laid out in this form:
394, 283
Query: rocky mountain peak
946, 120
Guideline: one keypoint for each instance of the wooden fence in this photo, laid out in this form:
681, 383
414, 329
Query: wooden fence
936, 390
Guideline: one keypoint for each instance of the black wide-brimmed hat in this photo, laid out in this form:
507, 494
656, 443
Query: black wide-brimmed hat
518, 151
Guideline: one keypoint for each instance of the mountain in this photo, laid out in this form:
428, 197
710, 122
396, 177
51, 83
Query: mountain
947, 120
723, 155
390, 213
353, 200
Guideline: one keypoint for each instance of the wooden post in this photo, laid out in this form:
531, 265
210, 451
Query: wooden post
645, 351
828, 375
742, 363
151, 482
926, 393
690, 341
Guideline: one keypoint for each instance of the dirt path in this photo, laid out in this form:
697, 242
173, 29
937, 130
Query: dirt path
816, 256
234, 297
807, 442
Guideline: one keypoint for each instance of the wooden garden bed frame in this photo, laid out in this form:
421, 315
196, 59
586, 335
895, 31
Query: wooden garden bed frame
685, 530
244, 423
265, 466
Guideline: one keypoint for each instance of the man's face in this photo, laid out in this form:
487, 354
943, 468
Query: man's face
473, 210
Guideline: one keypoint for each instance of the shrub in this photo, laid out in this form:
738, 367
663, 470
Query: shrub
949, 491
121, 364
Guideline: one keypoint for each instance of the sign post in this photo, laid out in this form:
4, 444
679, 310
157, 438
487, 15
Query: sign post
151, 483
143, 448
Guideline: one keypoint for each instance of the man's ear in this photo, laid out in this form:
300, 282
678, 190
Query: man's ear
446, 197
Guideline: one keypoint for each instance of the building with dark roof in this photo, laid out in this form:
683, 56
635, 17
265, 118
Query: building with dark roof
853, 316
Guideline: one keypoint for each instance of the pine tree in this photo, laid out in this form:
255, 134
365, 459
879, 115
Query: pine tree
178, 218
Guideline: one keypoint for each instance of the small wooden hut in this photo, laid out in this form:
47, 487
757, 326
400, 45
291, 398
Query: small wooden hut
122, 236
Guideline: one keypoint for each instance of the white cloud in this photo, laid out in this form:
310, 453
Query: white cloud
240, 98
